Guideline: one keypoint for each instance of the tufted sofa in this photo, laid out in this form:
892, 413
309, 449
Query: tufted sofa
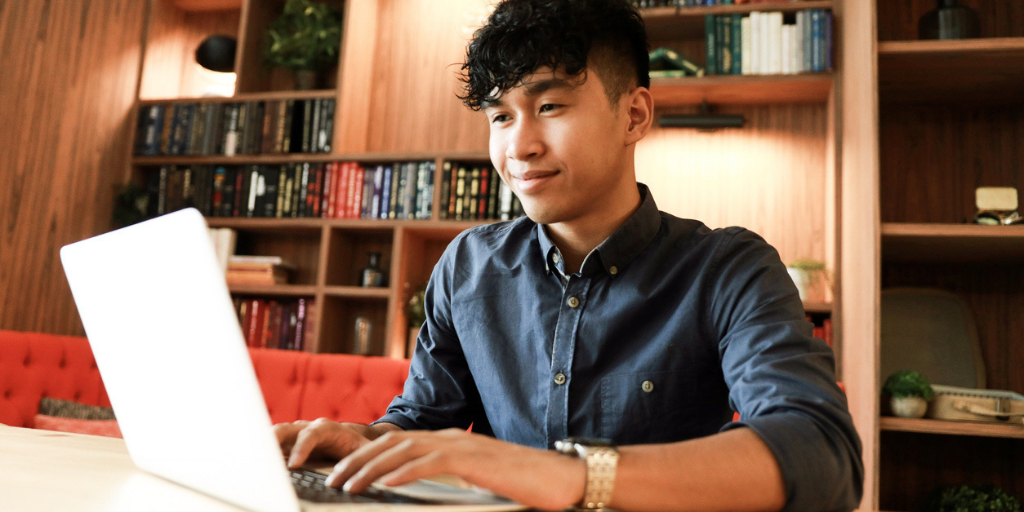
296, 385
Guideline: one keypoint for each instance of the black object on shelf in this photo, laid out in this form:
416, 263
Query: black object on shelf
949, 21
704, 120
372, 275
217, 53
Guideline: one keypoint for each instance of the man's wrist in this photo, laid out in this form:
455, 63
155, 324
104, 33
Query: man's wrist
376, 430
601, 459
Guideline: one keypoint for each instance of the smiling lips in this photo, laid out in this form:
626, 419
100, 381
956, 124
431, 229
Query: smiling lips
531, 180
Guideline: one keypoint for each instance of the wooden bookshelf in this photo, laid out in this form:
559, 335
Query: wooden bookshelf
280, 290
959, 243
812, 307
240, 98
272, 159
984, 70
688, 22
742, 89
357, 292
952, 428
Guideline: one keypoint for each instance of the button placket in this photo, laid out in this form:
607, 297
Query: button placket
567, 328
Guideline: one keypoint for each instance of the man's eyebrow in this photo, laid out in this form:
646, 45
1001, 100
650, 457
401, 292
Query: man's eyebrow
532, 89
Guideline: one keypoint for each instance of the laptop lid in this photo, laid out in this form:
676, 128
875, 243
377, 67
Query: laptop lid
166, 339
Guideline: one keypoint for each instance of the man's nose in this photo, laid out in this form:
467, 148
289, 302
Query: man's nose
525, 142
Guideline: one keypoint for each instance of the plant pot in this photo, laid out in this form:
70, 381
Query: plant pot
909, 406
306, 80
809, 283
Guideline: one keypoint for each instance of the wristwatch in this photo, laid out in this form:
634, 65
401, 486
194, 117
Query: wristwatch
602, 458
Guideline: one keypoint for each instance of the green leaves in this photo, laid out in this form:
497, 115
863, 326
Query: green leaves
306, 36
972, 498
906, 383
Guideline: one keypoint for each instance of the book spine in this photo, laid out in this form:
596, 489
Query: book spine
710, 40
161, 205
359, 176
385, 194
269, 127
460, 192
369, 174
723, 26
775, 44
428, 201
505, 210
272, 179
341, 199
787, 49
292, 111
446, 193
300, 325
219, 129
318, 188
331, 184
378, 183
473, 193
300, 197
314, 124
351, 189
745, 49
737, 43
327, 134
396, 178
326, 203
409, 198
492, 201
256, 135
481, 210
827, 41
289, 194
307, 122
816, 49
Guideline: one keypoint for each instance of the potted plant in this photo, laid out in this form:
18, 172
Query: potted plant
810, 279
910, 392
305, 39
972, 498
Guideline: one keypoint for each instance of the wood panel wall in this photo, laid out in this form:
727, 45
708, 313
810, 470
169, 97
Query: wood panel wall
768, 176
70, 72
897, 19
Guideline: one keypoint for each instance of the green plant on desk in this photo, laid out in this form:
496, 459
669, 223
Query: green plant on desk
908, 383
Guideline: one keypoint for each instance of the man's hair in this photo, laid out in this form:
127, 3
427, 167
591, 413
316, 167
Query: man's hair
523, 35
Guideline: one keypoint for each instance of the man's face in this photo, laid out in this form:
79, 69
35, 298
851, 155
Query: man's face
560, 145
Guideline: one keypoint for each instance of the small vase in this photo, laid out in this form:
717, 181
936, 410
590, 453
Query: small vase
306, 80
949, 21
909, 406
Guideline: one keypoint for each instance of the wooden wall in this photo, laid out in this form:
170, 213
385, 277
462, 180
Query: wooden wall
69, 75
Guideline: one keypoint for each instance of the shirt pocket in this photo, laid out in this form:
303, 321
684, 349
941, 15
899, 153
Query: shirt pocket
656, 407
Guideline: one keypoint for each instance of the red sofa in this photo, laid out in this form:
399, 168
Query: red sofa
296, 385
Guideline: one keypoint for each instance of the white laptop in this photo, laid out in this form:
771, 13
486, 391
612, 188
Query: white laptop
166, 339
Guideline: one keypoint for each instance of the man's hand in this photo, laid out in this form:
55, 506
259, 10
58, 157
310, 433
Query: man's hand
324, 438
535, 478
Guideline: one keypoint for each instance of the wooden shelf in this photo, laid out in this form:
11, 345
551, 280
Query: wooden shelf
954, 243
238, 98
953, 428
357, 292
281, 290
969, 70
313, 224
305, 157
742, 89
673, 23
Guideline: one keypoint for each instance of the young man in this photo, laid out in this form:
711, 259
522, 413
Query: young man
599, 316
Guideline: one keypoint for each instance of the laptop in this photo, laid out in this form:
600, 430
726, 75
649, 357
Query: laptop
165, 336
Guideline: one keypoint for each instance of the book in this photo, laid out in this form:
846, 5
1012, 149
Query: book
446, 184
711, 44
736, 39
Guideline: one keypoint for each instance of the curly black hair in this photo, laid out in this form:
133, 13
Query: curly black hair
523, 35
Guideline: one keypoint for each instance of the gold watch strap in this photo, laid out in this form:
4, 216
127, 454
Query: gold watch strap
601, 464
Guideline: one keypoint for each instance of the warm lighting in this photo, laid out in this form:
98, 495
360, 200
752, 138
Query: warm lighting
704, 120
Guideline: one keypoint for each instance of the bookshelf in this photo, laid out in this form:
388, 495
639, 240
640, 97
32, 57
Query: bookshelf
742, 89
949, 119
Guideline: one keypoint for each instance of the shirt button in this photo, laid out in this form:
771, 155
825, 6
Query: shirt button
574, 302
647, 386
559, 378
613, 270
554, 257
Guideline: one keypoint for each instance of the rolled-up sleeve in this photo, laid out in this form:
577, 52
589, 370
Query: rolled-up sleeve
781, 379
440, 392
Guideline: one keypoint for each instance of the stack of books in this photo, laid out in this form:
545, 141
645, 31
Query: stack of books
764, 44
285, 325
249, 128
258, 270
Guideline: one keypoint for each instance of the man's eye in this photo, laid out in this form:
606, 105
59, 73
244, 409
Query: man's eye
500, 118
547, 107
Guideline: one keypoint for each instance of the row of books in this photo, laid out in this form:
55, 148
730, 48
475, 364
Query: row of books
763, 44
403, 190
476, 192
643, 4
280, 324
248, 128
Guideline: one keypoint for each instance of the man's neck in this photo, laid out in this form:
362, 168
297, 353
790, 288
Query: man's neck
575, 239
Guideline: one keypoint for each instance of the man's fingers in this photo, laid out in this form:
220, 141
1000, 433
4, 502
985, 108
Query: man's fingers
389, 460
286, 432
355, 461
305, 441
432, 464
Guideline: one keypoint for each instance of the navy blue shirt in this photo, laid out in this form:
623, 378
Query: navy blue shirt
667, 328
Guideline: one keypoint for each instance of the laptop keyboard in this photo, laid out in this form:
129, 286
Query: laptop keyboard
312, 486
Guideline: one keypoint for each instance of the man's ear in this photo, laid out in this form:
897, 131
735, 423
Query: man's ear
640, 113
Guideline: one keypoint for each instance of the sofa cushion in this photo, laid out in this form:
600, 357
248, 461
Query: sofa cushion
282, 377
34, 365
351, 388
106, 428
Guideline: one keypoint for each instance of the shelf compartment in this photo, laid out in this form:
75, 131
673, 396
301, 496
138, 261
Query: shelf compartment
969, 70
357, 292
300, 248
306, 157
348, 253
338, 324
688, 22
742, 89
241, 98
281, 290
955, 243
953, 428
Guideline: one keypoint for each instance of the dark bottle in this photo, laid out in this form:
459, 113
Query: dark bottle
949, 21
372, 275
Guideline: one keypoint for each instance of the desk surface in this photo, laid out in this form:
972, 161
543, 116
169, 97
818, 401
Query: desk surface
42, 471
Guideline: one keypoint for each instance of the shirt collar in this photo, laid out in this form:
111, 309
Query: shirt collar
623, 245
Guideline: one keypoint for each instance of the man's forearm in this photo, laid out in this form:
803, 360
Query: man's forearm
733, 470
